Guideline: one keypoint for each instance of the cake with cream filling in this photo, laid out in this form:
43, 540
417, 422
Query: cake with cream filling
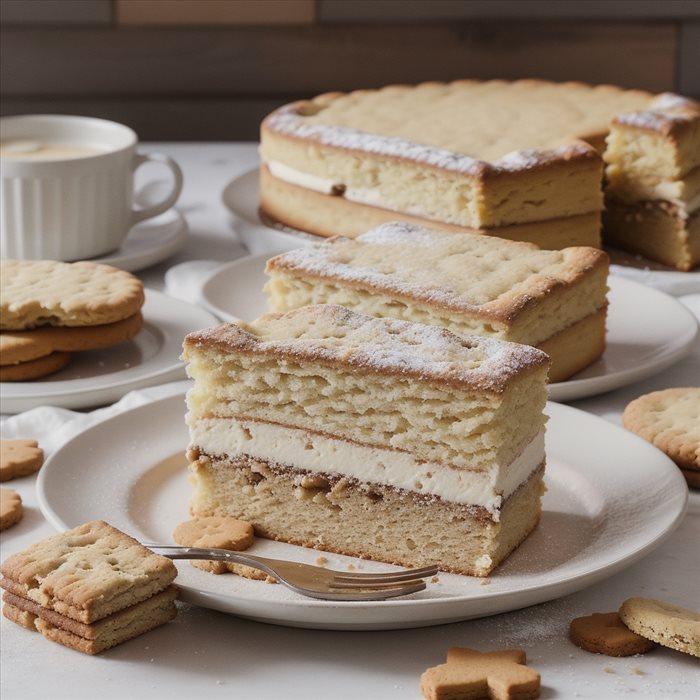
653, 191
471, 284
520, 160
372, 437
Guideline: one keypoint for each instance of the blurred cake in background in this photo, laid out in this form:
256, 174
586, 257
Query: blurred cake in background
520, 160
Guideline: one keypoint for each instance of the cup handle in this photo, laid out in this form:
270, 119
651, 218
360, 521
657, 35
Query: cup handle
148, 212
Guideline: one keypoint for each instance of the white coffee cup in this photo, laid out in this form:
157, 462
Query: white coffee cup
67, 186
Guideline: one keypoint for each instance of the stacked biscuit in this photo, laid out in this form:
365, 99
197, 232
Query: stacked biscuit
471, 284
653, 191
519, 160
89, 588
371, 437
50, 309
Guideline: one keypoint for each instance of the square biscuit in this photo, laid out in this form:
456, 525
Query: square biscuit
98, 636
47, 292
87, 573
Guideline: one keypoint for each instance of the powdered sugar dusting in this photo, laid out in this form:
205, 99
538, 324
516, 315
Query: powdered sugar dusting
480, 276
287, 120
334, 334
670, 101
663, 122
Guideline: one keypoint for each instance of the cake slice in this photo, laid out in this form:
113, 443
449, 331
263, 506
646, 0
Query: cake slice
471, 284
371, 437
653, 192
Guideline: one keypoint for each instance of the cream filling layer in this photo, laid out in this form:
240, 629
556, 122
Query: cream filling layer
319, 453
370, 197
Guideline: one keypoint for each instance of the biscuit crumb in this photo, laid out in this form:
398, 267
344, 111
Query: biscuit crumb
321, 561
435, 579
351, 567
485, 582
637, 671
608, 669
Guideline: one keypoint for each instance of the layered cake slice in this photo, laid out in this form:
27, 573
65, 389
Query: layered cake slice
371, 437
520, 160
471, 284
653, 192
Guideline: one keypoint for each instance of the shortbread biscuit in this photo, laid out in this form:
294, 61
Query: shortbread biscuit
669, 625
35, 369
11, 510
19, 458
47, 292
669, 420
87, 573
23, 346
107, 632
501, 675
219, 532
605, 633
19, 617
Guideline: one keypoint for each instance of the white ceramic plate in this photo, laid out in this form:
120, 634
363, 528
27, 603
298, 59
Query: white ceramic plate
647, 329
149, 242
611, 499
242, 198
103, 376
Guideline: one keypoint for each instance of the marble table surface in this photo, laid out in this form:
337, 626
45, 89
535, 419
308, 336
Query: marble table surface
209, 654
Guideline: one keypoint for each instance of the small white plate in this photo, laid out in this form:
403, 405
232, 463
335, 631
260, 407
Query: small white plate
242, 198
647, 329
611, 499
99, 377
149, 242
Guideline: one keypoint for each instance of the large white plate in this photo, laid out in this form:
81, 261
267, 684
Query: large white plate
242, 198
647, 329
611, 499
103, 376
149, 242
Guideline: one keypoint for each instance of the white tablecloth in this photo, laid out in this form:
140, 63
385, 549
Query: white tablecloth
209, 654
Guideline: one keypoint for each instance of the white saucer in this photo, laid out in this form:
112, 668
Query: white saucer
149, 242
242, 197
611, 499
647, 329
100, 377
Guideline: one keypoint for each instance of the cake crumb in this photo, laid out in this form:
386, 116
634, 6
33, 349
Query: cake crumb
351, 567
608, 669
485, 582
637, 671
435, 579
321, 561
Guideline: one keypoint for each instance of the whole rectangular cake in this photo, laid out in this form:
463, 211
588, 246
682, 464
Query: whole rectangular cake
471, 284
520, 160
371, 437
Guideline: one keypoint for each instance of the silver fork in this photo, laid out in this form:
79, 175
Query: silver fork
313, 581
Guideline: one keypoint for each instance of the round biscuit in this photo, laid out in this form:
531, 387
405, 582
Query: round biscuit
47, 292
23, 346
605, 633
666, 624
19, 458
11, 511
670, 420
34, 369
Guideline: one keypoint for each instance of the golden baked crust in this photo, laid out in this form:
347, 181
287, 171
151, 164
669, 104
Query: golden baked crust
335, 336
477, 276
468, 153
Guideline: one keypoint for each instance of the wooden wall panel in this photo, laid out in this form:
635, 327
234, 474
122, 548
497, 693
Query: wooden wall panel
214, 12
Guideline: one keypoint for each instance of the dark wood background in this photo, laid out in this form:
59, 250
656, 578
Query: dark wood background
211, 69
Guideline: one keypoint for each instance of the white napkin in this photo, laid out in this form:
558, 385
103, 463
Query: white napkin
52, 427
